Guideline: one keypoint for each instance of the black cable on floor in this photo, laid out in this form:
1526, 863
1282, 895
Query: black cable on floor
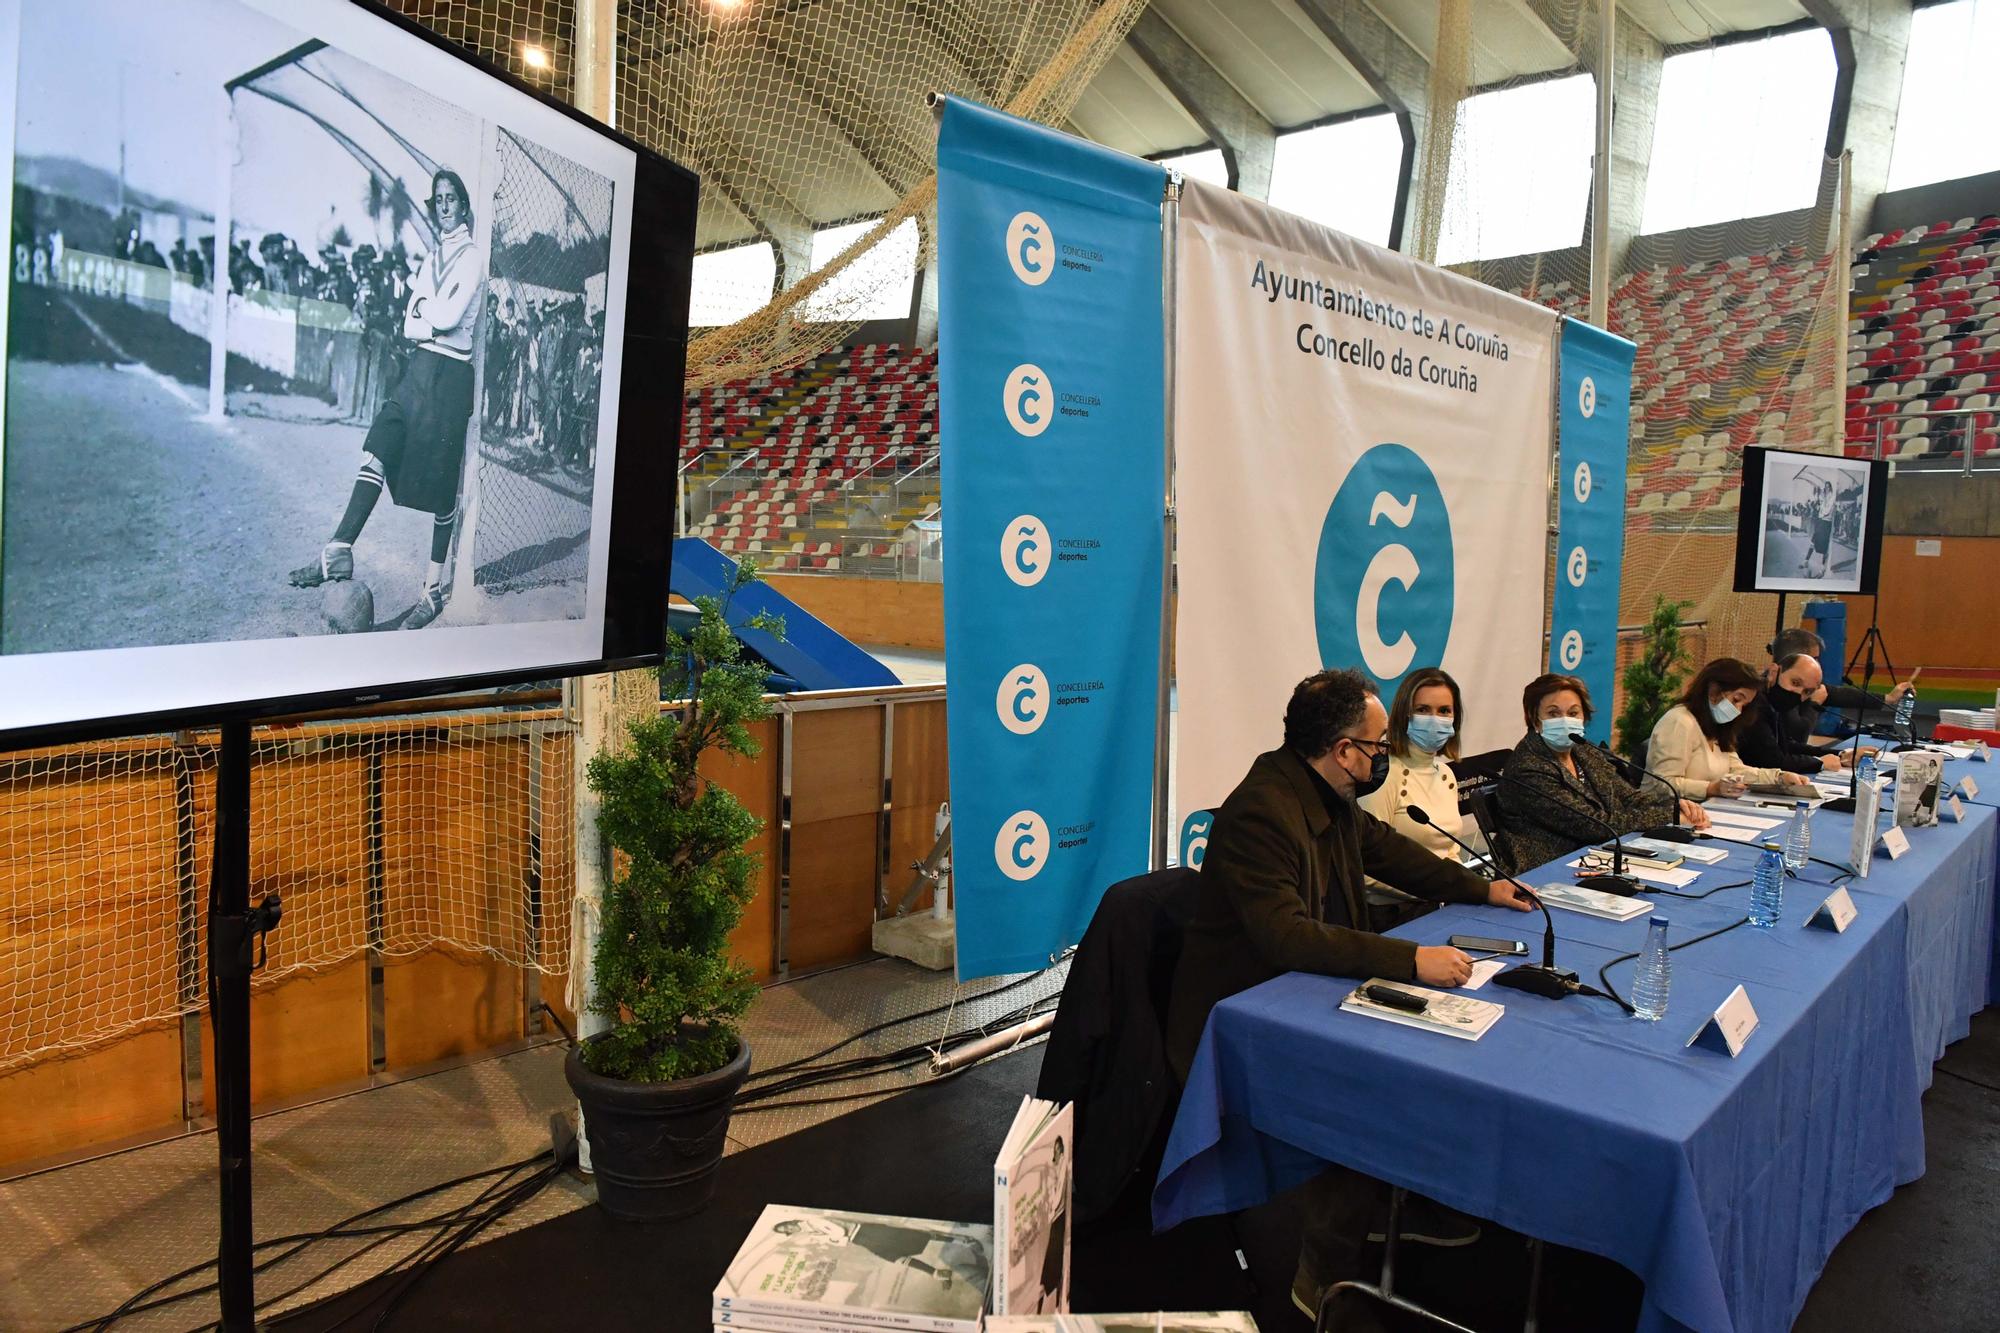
1604, 972
1962, 1078
138, 1302
886, 1024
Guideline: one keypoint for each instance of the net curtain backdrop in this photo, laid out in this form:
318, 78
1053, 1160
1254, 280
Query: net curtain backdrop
1362, 452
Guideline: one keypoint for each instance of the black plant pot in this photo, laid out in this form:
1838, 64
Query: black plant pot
654, 1147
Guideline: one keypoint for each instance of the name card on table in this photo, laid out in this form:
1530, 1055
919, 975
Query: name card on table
1896, 841
1729, 1026
1969, 787
1957, 808
1836, 913
1979, 751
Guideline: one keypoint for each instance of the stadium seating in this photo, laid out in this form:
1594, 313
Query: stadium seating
820, 469
1713, 371
1924, 342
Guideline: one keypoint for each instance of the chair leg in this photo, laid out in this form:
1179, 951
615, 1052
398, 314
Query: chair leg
1533, 1320
1385, 1290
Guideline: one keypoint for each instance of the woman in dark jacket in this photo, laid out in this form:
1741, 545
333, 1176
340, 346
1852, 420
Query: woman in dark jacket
1560, 794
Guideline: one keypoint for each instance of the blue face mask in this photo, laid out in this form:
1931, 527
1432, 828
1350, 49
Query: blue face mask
1724, 710
1561, 732
1430, 734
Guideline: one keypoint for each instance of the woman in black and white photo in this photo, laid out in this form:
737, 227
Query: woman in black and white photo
416, 444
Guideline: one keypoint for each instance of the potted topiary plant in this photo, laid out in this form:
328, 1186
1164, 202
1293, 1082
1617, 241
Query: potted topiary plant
658, 1086
1653, 683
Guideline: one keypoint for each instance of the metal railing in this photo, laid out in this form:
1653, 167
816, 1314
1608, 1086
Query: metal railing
1948, 442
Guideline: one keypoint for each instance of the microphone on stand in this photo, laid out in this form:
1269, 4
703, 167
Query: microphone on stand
1638, 772
1849, 803
1617, 881
1544, 979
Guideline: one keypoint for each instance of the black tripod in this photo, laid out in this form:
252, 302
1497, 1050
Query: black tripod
1870, 642
236, 933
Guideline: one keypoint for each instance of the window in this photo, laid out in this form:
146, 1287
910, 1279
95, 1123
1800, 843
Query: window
1944, 127
1341, 176
1741, 131
731, 284
1205, 165
1520, 171
877, 285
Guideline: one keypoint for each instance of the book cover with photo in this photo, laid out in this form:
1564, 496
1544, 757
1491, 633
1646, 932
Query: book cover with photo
1918, 779
858, 1269
1206, 1321
1031, 1202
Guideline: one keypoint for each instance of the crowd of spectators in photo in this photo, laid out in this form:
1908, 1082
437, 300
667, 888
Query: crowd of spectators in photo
543, 353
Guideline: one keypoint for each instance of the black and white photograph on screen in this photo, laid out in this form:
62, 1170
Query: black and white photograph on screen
403, 430
1810, 530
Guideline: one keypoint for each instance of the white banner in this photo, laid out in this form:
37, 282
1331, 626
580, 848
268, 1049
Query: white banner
1363, 448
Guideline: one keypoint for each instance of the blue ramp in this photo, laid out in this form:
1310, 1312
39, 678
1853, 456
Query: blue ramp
811, 653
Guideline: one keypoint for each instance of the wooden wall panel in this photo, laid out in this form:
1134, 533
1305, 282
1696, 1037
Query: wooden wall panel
90, 900
307, 1032
456, 844
836, 764
445, 1002
67, 1103
920, 785
836, 808
755, 783
878, 611
1937, 611
833, 891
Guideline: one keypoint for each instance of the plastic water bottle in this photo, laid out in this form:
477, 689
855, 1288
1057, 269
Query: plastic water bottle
1906, 709
1655, 975
1767, 890
1798, 839
1865, 773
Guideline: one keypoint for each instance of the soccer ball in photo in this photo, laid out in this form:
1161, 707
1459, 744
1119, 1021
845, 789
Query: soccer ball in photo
349, 605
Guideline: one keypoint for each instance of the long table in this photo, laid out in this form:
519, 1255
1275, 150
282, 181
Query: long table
1723, 1183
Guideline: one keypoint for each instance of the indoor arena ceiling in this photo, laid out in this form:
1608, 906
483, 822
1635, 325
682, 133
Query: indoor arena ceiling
1276, 55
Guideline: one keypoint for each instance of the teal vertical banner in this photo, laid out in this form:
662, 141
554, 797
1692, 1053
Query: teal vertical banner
1052, 413
1592, 423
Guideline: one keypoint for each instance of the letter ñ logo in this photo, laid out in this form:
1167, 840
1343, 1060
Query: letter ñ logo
1023, 700
1387, 526
1022, 847
1030, 248
1026, 400
1025, 550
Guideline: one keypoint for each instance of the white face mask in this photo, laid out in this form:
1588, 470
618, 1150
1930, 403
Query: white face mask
1724, 710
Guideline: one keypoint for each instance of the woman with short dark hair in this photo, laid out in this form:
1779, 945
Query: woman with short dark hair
415, 447
1693, 744
1559, 793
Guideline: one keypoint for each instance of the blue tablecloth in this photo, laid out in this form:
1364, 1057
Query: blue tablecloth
1724, 1184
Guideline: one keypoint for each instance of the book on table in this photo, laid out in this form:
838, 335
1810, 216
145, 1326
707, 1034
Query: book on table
1209, 1321
1453, 1015
802, 1269
1031, 1198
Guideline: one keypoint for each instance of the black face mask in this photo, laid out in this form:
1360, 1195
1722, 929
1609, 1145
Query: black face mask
1378, 773
1786, 699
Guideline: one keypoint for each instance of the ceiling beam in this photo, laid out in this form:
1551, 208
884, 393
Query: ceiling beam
1394, 71
1248, 142
835, 104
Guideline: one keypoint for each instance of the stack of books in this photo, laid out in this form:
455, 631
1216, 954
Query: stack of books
814, 1270
1031, 1197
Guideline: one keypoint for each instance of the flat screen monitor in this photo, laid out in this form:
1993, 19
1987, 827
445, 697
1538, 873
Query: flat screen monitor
340, 366
1809, 523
